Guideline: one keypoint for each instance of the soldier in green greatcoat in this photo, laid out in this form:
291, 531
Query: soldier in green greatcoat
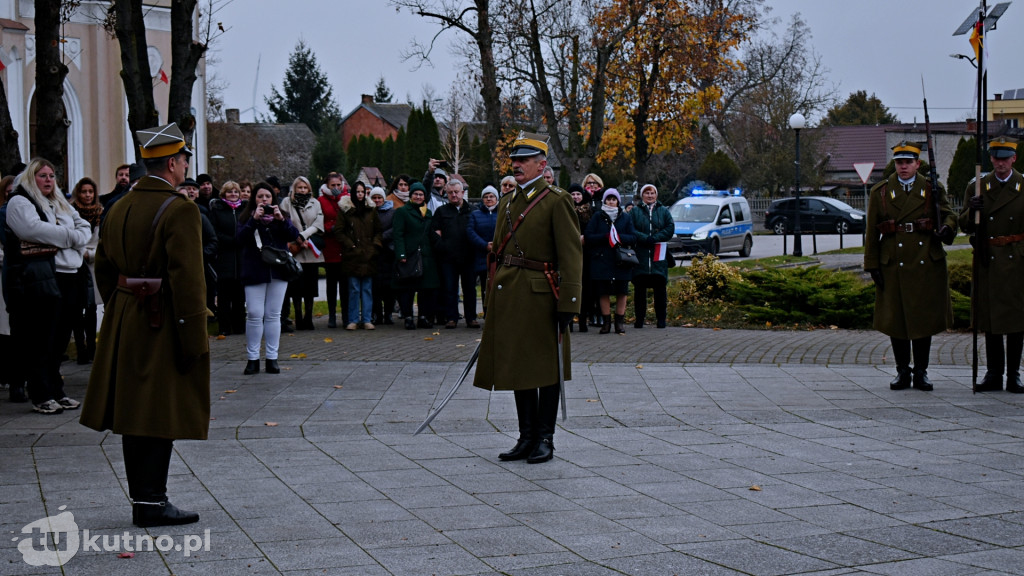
150, 382
999, 294
907, 223
533, 296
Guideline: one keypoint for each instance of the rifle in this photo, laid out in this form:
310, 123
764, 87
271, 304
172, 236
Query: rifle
933, 177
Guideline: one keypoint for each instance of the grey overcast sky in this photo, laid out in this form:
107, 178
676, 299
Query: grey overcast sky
880, 46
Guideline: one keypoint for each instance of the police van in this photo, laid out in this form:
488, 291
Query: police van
712, 222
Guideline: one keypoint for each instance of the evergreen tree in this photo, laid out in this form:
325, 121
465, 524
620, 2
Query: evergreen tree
387, 165
414, 158
859, 109
719, 170
382, 94
431, 136
353, 153
398, 163
328, 153
961, 169
307, 94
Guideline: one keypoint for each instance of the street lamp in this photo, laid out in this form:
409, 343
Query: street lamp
796, 122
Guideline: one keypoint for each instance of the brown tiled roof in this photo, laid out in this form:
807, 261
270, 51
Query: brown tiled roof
254, 150
847, 145
11, 25
396, 115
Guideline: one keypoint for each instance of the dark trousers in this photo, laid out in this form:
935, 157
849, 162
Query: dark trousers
146, 463
83, 325
901, 351
34, 334
230, 305
997, 360
454, 274
336, 280
302, 291
383, 299
657, 283
425, 302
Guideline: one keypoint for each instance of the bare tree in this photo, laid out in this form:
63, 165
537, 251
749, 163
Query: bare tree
51, 116
10, 154
473, 17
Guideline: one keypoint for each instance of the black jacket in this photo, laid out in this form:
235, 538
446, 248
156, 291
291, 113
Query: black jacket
453, 244
229, 248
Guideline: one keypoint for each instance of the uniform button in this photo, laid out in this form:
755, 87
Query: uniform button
900, 245
573, 299
901, 264
920, 243
990, 218
922, 261
499, 286
181, 321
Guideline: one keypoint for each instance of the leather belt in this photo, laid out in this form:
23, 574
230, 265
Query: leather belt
921, 225
1005, 240
525, 263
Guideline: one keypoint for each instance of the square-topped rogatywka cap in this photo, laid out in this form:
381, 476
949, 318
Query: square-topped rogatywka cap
528, 144
166, 140
907, 149
1002, 147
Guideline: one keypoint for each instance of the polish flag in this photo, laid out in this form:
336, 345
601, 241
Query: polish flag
2, 65
163, 77
613, 236
313, 249
660, 251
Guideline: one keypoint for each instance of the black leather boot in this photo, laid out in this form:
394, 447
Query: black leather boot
526, 411
547, 415
1014, 349
620, 324
922, 348
410, 324
990, 383
251, 367
272, 367
149, 514
583, 323
902, 380
921, 381
1013, 383
606, 326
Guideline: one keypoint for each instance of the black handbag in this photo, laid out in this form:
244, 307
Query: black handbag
411, 269
625, 256
317, 238
279, 259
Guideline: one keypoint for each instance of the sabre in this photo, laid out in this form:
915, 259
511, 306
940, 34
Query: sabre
444, 402
561, 364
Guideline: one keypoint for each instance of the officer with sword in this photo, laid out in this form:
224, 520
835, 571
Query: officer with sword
536, 265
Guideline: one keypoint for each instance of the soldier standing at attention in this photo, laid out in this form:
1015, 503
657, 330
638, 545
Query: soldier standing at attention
150, 380
533, 296
1000, 300
903, 253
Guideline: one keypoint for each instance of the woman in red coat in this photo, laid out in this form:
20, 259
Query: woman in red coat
330, 194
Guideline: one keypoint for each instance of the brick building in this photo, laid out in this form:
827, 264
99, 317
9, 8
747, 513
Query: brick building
374, 119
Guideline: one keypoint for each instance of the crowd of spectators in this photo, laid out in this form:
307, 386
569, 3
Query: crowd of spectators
358, 234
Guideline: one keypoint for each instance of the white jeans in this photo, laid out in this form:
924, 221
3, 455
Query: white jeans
263, 317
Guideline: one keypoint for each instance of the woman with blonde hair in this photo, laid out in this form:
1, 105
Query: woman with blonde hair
307, 215
508, 185
44, 241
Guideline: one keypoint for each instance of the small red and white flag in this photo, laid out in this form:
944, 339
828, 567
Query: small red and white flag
163, 77
313, 249
613, 236
660, 251
2, 65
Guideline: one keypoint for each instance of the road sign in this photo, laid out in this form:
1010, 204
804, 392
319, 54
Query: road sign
864, 170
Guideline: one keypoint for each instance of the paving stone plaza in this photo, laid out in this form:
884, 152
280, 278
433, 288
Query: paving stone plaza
686, 451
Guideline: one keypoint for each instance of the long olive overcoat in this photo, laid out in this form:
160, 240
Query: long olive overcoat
518, 350
410, 231
151, 381
1000, 294
914, 302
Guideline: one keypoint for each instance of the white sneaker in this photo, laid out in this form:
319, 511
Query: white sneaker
351, 326
368, 326
48, 407
68, 404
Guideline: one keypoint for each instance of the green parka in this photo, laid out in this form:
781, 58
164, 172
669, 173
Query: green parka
651, 225
409, 231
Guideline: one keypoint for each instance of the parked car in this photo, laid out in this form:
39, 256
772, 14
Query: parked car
817, 214
712, 221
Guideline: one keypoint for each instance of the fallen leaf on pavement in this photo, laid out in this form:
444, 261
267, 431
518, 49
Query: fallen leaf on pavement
338, 386
270, 423
755, 488
230, 391
328, 340
126, 555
